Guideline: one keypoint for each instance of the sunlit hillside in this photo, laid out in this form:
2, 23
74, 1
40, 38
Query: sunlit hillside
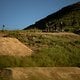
49, 49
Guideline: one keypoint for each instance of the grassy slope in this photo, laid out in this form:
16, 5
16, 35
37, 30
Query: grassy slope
49, 49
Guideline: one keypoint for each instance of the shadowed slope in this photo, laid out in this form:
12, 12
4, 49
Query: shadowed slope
66, 19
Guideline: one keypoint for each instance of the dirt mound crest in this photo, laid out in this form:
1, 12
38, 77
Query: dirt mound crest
13, 47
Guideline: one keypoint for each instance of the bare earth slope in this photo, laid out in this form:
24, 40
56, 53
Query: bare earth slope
13, 47
43, 73
47, 73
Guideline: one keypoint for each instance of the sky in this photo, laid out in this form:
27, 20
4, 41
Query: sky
18, 14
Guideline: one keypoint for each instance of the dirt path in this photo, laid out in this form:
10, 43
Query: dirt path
57, 33
46, 73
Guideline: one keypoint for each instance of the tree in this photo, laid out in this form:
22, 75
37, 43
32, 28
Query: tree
47, 26
61, 26
3, 27
55, 27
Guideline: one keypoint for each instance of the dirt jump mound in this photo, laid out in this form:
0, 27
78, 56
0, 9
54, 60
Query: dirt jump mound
13, 47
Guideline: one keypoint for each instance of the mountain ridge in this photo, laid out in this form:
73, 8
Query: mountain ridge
67, 17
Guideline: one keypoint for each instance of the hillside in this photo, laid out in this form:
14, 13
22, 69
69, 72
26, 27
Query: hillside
49, 49
56, 56
66, 19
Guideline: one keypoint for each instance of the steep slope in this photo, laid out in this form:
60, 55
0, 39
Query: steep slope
68, 18
13, 47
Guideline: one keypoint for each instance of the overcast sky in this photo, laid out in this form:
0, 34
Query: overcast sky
17, 14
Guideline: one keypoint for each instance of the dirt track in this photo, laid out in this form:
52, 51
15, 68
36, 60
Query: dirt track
46, 73
56, 33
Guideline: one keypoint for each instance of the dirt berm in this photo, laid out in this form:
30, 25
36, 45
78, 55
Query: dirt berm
41, 73
13, 47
